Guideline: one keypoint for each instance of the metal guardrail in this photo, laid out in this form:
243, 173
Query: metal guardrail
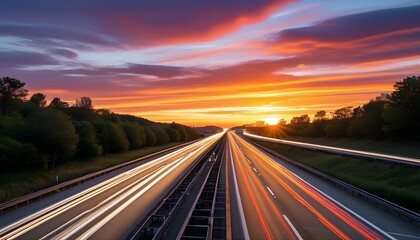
413, 162
390, 207
27, 199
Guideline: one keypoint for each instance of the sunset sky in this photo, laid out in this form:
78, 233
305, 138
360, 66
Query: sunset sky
211, 62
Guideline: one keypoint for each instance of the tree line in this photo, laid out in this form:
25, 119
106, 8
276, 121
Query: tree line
37, 135
394, 116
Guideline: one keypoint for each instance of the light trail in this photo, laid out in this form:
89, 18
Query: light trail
150, 173
275, 170
380, 156
250, 192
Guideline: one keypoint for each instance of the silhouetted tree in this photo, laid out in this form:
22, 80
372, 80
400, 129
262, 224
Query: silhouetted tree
282, 122
57, 103
320, 116
342, 113
402, 116
38, 99
84, 102
10, 89
299, 120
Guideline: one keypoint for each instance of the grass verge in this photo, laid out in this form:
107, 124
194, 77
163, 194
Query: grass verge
17, 184
407, 149
398, 184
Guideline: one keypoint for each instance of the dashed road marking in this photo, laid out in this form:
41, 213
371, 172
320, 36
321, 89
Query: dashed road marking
292, 227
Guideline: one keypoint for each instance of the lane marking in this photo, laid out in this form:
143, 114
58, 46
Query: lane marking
255, 170
292, 227
238, 197
346, 208
269, 189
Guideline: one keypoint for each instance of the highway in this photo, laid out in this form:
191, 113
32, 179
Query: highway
277, 204
108, 209
260, 197
341, 151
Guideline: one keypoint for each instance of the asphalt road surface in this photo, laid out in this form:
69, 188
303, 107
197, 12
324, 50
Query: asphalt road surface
279, 204
107, 209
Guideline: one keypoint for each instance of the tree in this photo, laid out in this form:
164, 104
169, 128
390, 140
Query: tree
173, 134
402, 116
11, 89
161, 137
181, 130
88, 146
84, 102
304, 119
282, 122
57, 103
54, 135
320, 116
343, 113
111, 137
38, 99
150, 137
191, 133
135, 134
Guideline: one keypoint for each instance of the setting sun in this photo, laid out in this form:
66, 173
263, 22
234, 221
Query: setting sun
271, 120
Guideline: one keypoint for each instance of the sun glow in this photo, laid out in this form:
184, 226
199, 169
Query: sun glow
271, 120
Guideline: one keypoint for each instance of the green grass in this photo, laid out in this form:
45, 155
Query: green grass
398, 184
408, 149
17, 184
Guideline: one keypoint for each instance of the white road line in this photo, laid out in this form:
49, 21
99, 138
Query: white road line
255, 170
269, 189
238, 197
347, 209
249, 161
292, 227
